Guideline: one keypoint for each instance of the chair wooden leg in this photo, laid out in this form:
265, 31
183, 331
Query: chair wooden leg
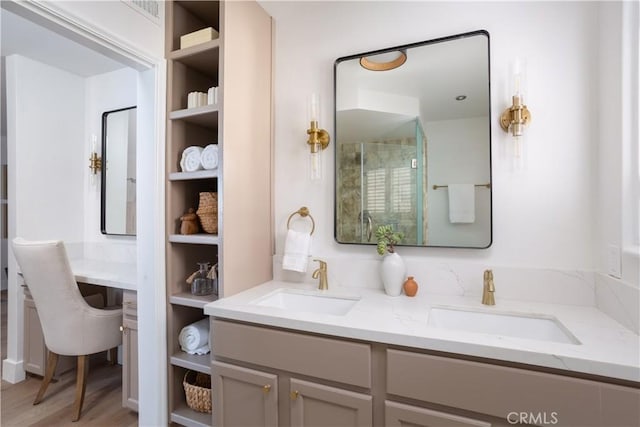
81, 385
113, 356
52, 362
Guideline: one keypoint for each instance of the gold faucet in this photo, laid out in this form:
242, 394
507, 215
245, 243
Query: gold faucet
322, 274
488, 289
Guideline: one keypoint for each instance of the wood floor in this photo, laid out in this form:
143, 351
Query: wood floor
102, 402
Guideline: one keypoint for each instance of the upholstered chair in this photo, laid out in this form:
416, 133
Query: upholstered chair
71, 327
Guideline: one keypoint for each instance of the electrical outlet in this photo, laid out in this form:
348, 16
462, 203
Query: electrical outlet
614, 261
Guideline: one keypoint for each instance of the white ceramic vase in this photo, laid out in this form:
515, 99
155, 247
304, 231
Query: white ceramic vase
393, 273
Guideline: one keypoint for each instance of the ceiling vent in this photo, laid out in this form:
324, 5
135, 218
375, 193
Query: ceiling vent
148, 8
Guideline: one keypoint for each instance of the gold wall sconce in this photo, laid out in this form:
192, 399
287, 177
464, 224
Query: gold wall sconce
516, 117
95, 163
318, 140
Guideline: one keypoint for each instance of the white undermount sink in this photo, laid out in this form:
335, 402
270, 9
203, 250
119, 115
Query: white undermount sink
535, 327
308, 301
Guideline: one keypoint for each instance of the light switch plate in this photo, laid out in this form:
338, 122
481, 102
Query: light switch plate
614, 261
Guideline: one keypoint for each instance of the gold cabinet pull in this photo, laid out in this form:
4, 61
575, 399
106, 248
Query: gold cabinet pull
294, 395
266, 388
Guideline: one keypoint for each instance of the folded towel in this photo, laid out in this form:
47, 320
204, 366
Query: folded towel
462, 201
190, 161
209, 156
194, 338
297, 248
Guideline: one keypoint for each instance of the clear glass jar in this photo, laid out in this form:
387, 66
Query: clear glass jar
202, 284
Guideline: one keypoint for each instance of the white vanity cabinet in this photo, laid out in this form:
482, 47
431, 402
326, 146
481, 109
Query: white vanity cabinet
291, 378
269, 377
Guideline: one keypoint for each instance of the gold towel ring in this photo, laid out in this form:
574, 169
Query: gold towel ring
303, 212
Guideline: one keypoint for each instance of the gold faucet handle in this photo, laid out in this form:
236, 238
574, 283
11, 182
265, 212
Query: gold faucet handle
323, 264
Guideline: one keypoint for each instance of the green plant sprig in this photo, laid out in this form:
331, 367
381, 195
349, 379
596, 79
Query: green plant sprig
387, 239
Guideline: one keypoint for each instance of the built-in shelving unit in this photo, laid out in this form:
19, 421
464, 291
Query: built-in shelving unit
201, 174
239, 63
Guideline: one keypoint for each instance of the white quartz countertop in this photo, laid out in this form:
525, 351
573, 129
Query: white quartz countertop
605, 348
121, 275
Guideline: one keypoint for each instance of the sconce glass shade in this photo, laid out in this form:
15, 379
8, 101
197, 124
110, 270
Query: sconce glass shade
315, 165
318, 140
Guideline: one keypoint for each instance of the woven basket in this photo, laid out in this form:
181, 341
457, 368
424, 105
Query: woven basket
208, 212
197, 389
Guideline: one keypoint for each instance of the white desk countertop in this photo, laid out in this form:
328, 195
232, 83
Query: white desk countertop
606, 348
121, 275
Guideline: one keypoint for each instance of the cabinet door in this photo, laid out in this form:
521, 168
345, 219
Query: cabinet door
400, 415
243, 397
130, 365
319, 405
35, 352
130, 350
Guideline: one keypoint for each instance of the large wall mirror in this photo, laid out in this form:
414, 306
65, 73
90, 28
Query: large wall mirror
413, 143
118, 210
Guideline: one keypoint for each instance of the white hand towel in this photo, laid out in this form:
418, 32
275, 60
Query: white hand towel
462, 201
190, 161
209, 156
194, 338
297, 248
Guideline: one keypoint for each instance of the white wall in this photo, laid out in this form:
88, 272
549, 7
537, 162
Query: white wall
617, 278
446, 141
48, 135
104, 92
543, 216
45, 112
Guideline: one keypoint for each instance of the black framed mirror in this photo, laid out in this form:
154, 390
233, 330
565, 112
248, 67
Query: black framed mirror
118, 188
413, 143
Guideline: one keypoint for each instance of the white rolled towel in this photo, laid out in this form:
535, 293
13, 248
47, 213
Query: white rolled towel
209, 156
194, 338
190, 161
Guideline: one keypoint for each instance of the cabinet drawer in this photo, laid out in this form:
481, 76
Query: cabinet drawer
492, 390
398, 415
331, 359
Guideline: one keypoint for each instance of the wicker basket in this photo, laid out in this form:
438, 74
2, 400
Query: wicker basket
197, 389
208, 212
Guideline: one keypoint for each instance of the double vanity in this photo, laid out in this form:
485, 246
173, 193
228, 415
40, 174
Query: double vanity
356, 356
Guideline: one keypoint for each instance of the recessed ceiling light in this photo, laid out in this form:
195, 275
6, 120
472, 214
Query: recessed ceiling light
461, 97
384, 61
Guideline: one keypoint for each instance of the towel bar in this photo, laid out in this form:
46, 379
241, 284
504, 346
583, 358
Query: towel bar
303, 212
488, 185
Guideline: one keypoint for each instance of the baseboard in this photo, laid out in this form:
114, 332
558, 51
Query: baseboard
12, 371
